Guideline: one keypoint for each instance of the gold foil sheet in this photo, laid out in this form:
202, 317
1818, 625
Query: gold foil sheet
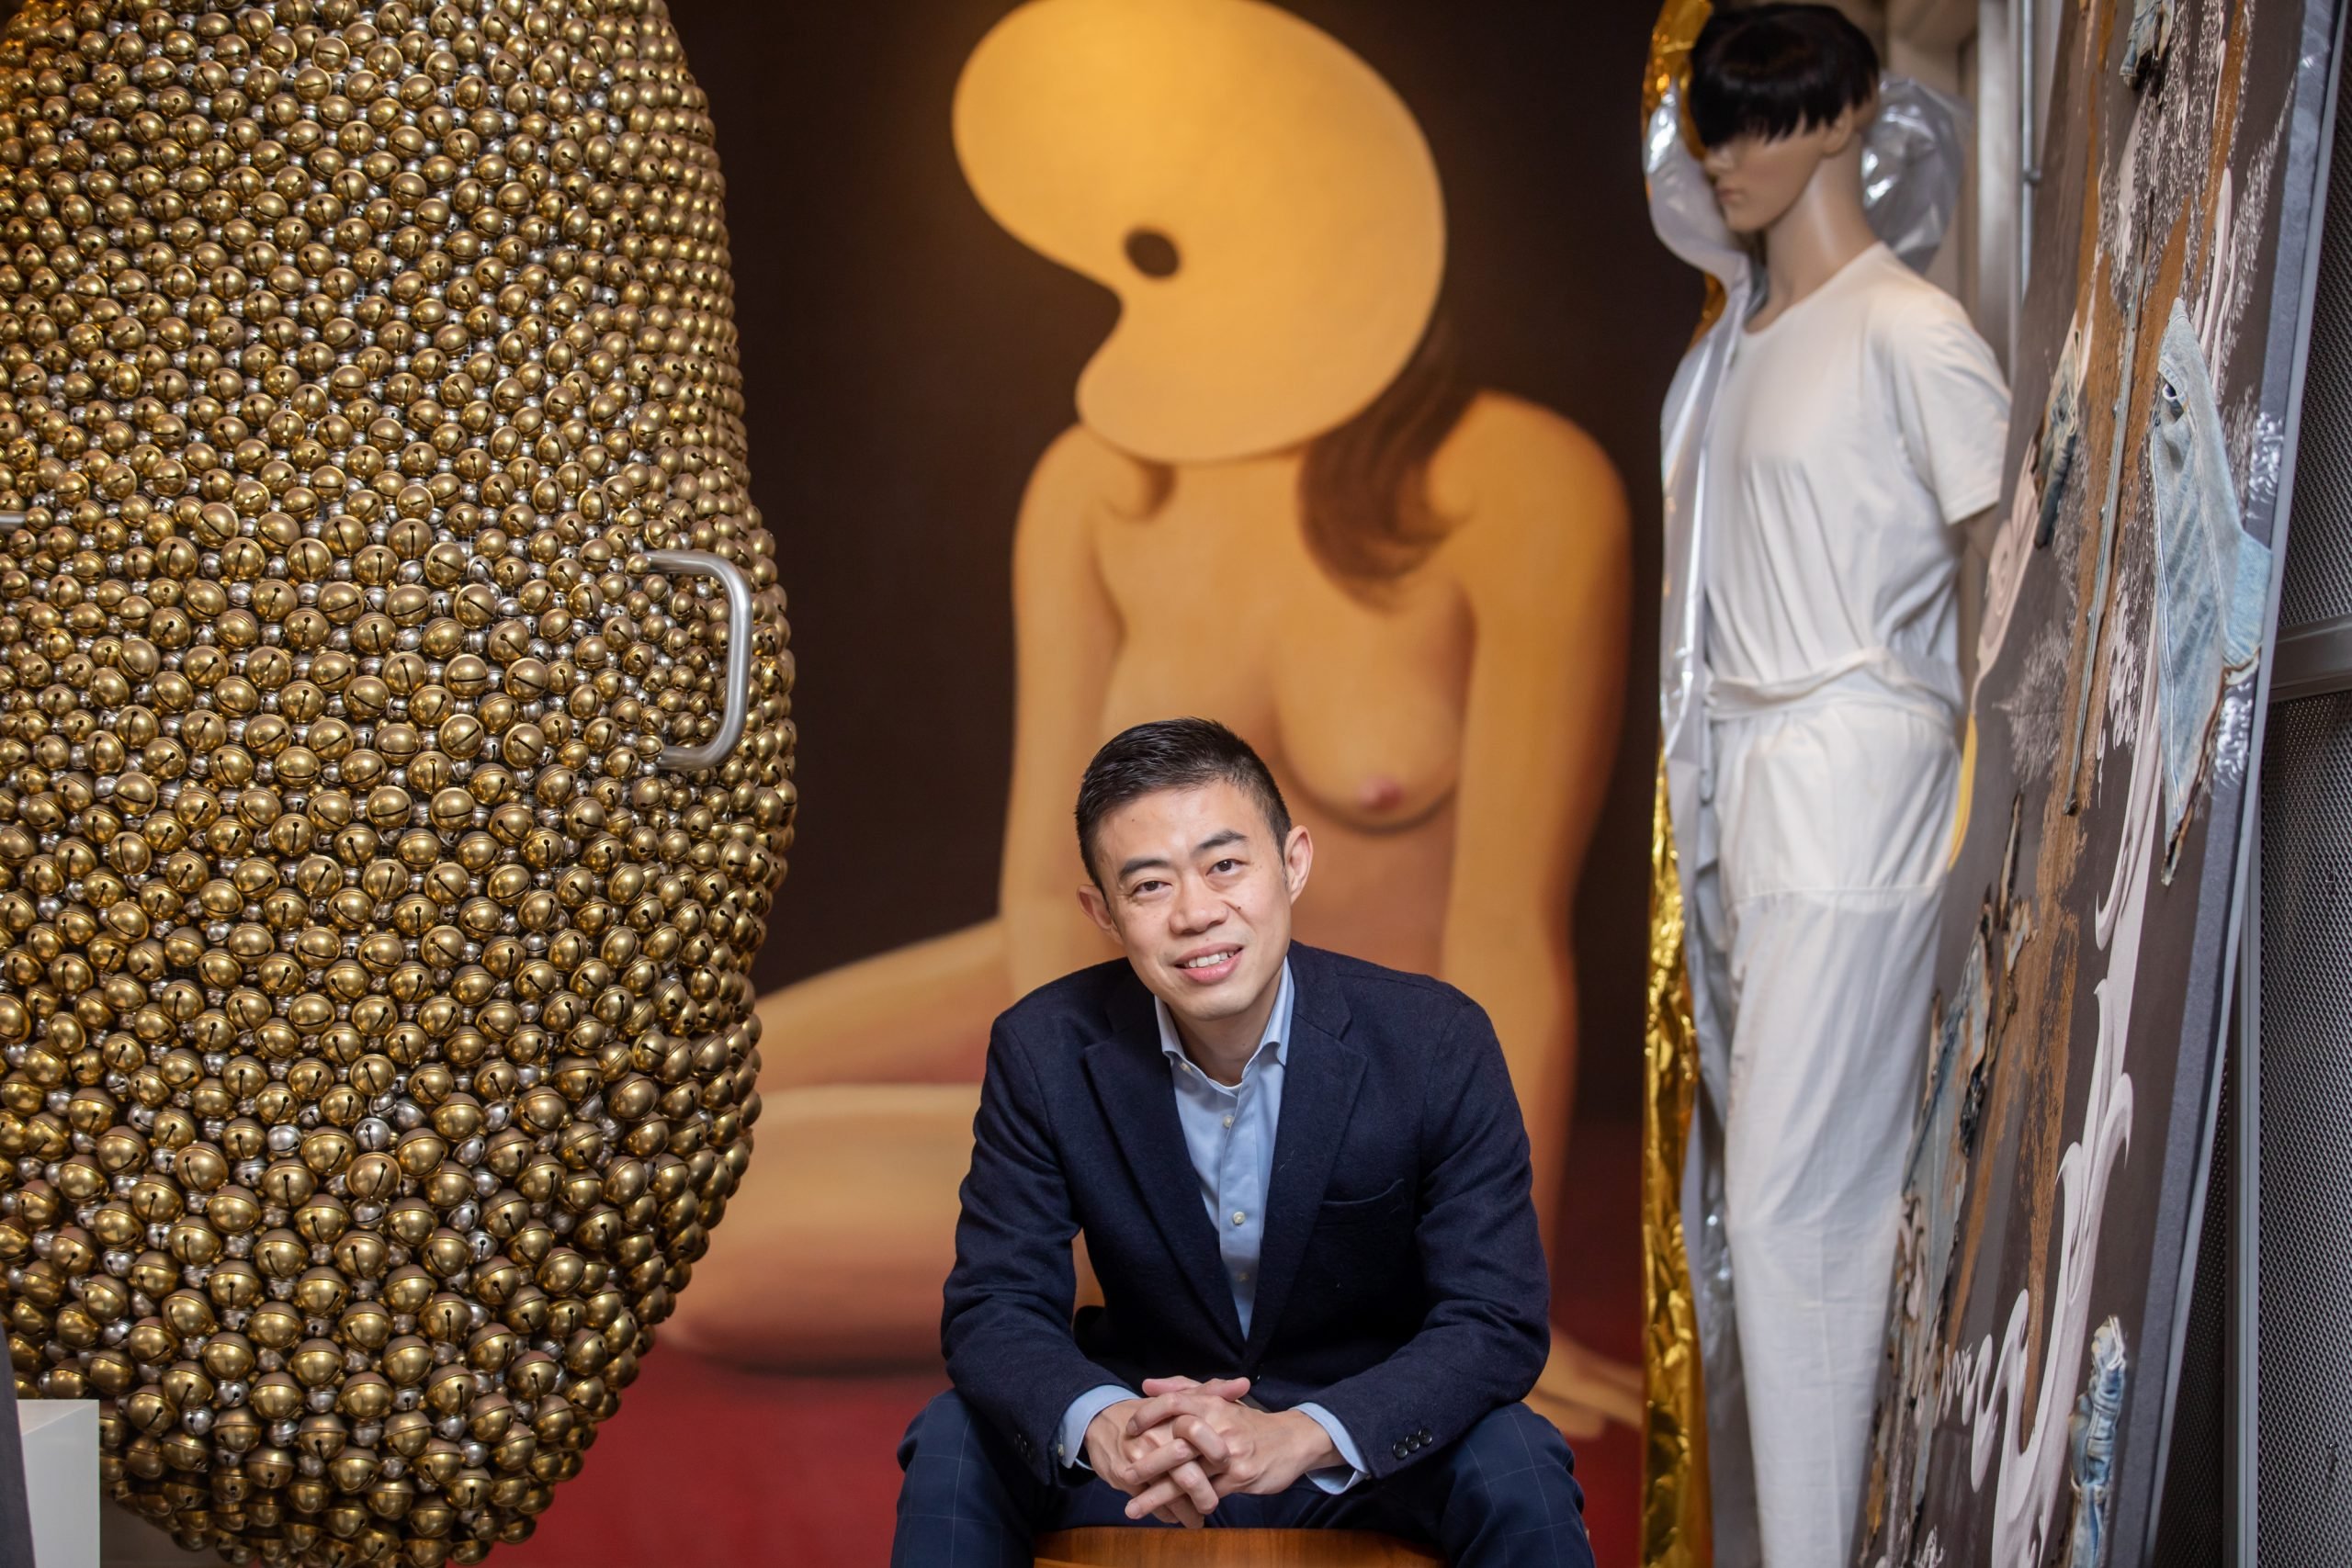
1674, 1447
1678, 22
1675, 1519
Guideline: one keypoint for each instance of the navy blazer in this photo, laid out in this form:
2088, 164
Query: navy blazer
1401, 1284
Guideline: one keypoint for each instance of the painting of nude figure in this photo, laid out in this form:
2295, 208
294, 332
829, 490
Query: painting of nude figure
1085, 384
1282, 505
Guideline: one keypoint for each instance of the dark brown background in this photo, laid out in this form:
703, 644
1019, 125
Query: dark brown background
906, 361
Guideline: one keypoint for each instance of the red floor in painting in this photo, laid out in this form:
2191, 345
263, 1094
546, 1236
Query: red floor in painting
710, 1465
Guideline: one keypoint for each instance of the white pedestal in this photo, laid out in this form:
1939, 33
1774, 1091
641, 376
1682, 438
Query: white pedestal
60, 1438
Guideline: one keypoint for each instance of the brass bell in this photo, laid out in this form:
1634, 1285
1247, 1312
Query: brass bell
228, 1357
317, 1364
185, 1385
407, 1432
365, 1326
149, 1342
440, 1463
275, 1396
320, 1291
280, 1254
275, 1325
236, 1430
188, 1315
392, 1499
269, 1468
406, 1359
233, 1285
449, 1389
104, 1298
366, 1396
321, 1437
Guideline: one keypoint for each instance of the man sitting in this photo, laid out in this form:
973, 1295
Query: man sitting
1304, 1185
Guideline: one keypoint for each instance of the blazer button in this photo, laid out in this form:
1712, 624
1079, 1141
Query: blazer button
1400, 1450
1425, 1436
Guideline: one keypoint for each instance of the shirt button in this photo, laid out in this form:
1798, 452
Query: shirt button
1242, 1277
1228, 1121
1239, 1216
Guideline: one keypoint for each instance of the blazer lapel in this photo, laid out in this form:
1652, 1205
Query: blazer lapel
1320, 1077
1131, 1085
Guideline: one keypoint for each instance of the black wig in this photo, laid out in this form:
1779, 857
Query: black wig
1771, 70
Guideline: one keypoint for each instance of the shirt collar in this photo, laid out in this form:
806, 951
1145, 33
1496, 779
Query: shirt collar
1275, 1036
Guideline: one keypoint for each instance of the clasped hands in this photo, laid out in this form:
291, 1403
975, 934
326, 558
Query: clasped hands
1185, 1445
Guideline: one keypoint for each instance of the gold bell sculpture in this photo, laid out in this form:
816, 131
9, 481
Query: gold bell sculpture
394, 750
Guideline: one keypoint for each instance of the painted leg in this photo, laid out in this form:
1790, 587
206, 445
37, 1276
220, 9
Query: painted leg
916, 1014
837, 1243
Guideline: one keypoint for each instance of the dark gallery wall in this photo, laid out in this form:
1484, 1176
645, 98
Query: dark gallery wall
906, 361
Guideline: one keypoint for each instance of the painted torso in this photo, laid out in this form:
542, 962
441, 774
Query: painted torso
1358, 708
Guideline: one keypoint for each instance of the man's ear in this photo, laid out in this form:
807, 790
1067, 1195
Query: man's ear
1298, 858
1098, 909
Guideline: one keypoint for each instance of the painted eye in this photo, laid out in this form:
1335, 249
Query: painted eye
1153, 253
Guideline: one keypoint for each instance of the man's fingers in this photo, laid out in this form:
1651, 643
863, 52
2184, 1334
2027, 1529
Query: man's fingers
1186, 1484
1162, 1459
1159, 1407
1151, 1499
1215, 1388
1197, 1487
1203, 1438
1181, 1512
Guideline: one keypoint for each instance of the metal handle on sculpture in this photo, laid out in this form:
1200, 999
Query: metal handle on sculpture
693, 758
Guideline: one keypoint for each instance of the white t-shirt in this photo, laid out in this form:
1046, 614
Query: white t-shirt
1848, 435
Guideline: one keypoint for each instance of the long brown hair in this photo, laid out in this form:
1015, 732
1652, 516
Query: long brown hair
1363, 498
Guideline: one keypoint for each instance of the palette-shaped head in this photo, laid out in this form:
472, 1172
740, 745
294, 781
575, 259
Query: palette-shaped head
1260, 201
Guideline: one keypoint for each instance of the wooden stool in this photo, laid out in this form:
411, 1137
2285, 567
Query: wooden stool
1114, 1547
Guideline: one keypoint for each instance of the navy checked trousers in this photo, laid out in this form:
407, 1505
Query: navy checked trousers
1504, 1496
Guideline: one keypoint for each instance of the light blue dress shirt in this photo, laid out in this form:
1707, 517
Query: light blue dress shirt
1230, 1134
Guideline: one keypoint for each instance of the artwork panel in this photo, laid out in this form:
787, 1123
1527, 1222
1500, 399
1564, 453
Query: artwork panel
2183, 176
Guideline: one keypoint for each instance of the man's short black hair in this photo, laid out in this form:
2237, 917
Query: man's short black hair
1771, 71
1172, 753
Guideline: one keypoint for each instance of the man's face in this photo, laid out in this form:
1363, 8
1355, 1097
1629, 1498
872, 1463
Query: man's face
1198, 893
1757, 179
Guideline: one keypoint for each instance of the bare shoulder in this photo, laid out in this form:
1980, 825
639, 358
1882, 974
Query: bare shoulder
1528, 491
1080, 474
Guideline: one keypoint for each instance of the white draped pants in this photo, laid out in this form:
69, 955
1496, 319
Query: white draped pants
1834, 816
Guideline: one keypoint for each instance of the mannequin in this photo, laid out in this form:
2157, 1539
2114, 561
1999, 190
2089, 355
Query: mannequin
1856, 445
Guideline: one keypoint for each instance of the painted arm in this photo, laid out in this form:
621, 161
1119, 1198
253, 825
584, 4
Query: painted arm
919, 1013
1066, 634
1542, 558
